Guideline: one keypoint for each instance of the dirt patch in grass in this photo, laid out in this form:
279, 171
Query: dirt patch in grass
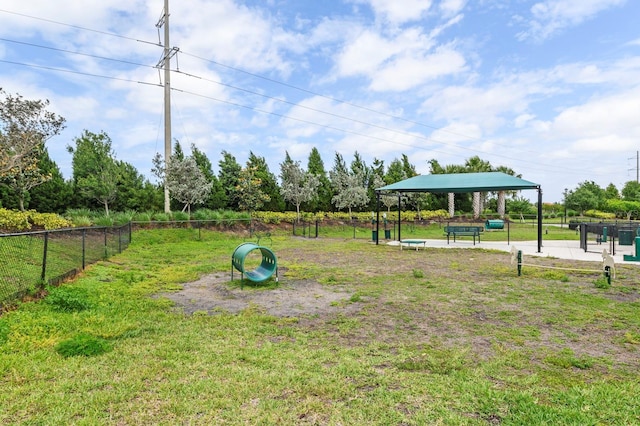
213, 294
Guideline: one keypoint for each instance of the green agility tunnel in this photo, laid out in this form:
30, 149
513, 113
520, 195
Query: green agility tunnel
494, 224
263, 272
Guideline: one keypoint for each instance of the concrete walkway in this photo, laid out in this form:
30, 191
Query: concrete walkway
560, 249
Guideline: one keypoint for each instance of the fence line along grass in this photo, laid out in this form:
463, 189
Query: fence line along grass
431, 337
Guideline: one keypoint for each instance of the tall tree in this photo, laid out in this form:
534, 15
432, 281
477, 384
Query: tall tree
395, 172
217, 198
631, 191
250, 196
376, 180
315, 166
298, 186
25, 126
229, 176
95, 172
588, 195
387, 200
55, 195
348, 186
409, 169
268, 183
611, 192
134, 191
186, 183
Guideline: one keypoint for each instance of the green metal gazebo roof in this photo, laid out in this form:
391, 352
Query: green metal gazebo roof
461, 182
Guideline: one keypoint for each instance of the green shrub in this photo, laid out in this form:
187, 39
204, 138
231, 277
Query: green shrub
14, 221
48, 220
17, 221
599, 214
161, 217
179, 215
202, 214
122, 218
103, 221
83, 345
71, 213
81, 221
142, 217
68, 299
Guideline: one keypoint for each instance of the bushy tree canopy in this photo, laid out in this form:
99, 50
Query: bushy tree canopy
25, 126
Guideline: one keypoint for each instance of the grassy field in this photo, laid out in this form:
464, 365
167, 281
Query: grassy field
413, 338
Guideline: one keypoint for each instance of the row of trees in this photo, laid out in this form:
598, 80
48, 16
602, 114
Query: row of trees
30, 179
591, 196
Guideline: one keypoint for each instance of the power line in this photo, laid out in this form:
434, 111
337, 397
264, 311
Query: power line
538, 167
77, 72
406, 133
77, 27
239, 70
55, 49
333, 99
352, 132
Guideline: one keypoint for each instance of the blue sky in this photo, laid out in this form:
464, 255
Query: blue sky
550, 88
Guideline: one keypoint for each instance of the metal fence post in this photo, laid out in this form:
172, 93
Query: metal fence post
84, 248
44, 257
106, 248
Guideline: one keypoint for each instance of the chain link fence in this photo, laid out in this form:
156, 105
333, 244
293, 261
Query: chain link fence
31, 260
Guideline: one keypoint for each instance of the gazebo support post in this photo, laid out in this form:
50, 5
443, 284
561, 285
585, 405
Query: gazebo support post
377, 216
539, 219
399, 218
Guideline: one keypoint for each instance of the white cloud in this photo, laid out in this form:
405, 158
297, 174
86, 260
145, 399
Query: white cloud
233, 34
399, 63
623, 72
485, 106
406, 72
451, 7
365, 54
603, 124
522, 120
398, 12
551, 16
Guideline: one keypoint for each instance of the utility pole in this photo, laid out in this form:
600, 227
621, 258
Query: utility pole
165, 63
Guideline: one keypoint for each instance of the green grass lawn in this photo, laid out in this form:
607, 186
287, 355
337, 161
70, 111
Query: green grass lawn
430, 337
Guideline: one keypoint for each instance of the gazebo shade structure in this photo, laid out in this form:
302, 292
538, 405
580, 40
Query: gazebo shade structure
463, 183
460, 183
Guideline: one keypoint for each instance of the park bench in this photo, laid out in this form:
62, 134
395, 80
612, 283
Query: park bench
458, 231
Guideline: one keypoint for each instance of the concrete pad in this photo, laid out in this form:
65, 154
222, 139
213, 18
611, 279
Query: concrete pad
561, 249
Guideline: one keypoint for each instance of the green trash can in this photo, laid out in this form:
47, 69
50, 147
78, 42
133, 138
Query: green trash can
387, 234
374, 235
625, 237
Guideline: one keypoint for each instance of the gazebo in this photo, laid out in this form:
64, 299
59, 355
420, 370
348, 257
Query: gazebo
460, 183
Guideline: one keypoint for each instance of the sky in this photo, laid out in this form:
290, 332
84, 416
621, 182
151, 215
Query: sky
549, 88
